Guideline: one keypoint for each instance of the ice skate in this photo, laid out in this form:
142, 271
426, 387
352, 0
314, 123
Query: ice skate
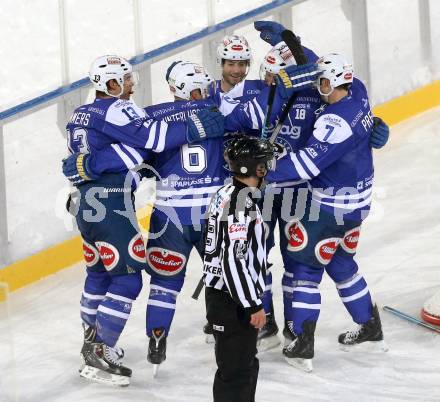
267, 336
90, 336
299, 353
367, 337
102, 364
288, 333
209, 334
157, 348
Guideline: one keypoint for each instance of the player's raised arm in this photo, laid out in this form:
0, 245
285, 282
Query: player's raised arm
118, 117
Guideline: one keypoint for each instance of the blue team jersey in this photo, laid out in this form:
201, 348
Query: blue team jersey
243, 91
189, 175
123, 128
337, 159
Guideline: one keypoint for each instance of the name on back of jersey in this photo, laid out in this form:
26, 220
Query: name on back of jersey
80, 118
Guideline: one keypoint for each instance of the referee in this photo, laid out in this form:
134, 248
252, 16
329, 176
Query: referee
234, 270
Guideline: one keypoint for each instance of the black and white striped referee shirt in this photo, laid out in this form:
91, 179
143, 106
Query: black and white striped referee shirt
235, 246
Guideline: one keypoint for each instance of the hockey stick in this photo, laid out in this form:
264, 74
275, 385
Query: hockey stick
295, 47
411, 319
268, 113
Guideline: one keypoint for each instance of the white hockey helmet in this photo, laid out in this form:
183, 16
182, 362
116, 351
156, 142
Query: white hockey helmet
277, 58
336, 68
234, 47
106, 68
183, 77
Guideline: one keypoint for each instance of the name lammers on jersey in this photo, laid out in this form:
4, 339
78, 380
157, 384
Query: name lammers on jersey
80, 118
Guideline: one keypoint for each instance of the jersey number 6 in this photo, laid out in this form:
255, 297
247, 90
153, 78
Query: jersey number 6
193, 158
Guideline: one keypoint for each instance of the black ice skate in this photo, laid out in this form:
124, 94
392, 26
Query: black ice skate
288, 334
102, 364
299, 353
369, 334
90, 336
157, 348
267, 336
209, 333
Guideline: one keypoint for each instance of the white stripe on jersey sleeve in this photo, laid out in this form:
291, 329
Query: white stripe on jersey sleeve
162, 136
259, 110
136, 155
253, 116
126, 159
152, 136
302, 173
310, 165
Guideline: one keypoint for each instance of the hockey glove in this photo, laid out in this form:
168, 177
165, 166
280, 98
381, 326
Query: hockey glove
77, 169
296, 78
381, 133
270, 31
208, 123
280, 150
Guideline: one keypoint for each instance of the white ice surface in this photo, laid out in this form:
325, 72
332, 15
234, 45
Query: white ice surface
399, 256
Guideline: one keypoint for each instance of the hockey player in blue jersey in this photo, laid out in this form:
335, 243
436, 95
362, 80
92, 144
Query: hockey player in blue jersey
234, 56
337, 163
249, 117
188, 177
250, 120
281, 195
114, 250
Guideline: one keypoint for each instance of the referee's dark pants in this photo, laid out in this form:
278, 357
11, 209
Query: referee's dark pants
235, 348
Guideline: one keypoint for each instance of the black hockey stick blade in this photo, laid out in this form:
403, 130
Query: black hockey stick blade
411, 319
295, 47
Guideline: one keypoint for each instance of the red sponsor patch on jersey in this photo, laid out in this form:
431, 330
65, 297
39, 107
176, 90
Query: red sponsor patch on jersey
165, 262
326, 248
109, 254
91, 254
237, 47
136, 248
296, 235
350, 241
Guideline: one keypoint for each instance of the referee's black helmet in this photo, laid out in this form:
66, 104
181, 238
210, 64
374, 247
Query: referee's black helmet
250, 156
